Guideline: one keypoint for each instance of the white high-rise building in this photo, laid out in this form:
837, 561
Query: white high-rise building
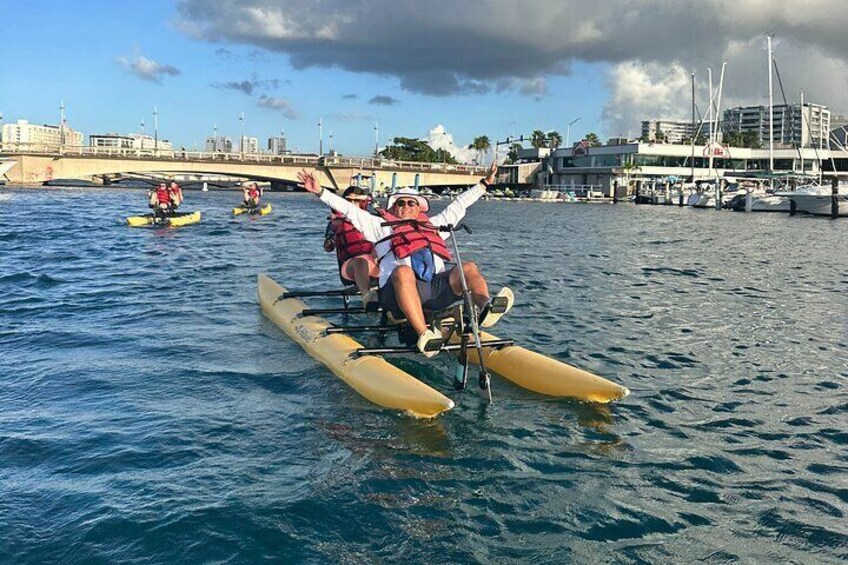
129, 141
219, 144
673, 131
793, 126
249, 145
45, 136
277, 145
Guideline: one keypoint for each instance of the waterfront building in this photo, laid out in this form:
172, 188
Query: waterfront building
46, 136
277, 145
603, 167
219, 144
672, 131
794, 125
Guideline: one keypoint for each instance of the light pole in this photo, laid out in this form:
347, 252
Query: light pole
568, 132
376, 139
61, 126
320, 136
155, 131
241, 140
330, 147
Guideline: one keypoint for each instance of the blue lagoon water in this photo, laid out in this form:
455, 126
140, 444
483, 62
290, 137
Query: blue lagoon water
151, 414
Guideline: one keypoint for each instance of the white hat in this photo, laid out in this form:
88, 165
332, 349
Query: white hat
423, 203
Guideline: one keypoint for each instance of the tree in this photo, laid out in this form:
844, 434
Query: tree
411, 149
592, 139
480, 144
752, 140
553, 139
538, 139
512, 154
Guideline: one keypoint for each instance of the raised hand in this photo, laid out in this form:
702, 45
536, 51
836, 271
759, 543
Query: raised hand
492, 172
308, 182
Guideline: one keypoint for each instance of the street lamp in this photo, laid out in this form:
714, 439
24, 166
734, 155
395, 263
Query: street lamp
61, 126
155, 131
320, 136
241, 140
330, 146
376, 139
568, 131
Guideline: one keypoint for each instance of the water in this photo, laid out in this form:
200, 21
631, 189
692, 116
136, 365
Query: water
151, 414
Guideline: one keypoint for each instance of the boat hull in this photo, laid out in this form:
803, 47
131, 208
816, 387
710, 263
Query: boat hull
371, 376
185, 219
819, 204
544, 375
264, 211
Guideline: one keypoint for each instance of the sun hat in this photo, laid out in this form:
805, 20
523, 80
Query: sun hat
423, 203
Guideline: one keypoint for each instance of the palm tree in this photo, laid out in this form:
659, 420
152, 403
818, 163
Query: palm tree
554, 139
538, 139
592, 139
481, 143
512, 155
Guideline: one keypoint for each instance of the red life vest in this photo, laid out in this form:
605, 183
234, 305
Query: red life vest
253, 194
349, 241
409, 238
163, 196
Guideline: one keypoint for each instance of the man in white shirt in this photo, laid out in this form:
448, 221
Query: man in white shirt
413, 276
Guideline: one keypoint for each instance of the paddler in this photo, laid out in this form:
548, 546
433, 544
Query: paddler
176, 194
413, 276
251, 195
354, 253
160, 200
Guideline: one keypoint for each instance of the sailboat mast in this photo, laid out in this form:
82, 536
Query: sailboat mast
692, 162
771, 109
710, 121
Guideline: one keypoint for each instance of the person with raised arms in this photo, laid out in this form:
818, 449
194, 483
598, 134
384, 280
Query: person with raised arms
412, 255
354, 253
251, 195
176, 194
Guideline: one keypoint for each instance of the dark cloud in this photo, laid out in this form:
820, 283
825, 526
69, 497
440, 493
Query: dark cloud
381, 100
147, 69
225, 54
249, 86
281, 104
350, 97
478, 47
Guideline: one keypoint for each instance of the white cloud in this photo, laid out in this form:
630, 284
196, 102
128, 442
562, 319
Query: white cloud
275, 103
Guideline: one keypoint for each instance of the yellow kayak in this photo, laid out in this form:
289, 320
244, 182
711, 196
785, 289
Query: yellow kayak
178, 220
371, 376
263, 211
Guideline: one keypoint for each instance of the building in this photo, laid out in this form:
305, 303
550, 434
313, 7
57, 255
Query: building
672, 131
249, 145
277, 146
601, 168
130, 141
45, 136
794, 125
219, 144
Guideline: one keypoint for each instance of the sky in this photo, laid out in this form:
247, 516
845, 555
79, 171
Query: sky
440, 70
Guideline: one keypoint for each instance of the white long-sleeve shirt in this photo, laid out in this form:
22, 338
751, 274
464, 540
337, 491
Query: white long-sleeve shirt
371, 227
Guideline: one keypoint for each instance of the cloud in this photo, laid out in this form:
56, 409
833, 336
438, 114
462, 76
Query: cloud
439, 138
473, 48
275, 103
352, 118
225, 54
248, 86
147, 69
350, 97
381, 100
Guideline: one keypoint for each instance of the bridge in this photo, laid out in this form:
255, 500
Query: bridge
37, 165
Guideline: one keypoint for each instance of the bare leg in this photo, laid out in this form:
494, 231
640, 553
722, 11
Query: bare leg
403, 279
476, 284
358, 270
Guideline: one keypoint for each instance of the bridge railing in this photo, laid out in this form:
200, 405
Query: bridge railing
247, 158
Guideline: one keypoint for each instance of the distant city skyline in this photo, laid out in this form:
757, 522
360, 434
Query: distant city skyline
453, 69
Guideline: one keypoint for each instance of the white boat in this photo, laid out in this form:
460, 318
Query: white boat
818, 200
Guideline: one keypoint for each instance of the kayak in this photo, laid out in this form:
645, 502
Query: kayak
371, 376
265, 210
175, 221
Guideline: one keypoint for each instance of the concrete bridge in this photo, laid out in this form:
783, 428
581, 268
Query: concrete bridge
35, 166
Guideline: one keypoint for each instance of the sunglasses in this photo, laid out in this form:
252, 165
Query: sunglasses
410, 203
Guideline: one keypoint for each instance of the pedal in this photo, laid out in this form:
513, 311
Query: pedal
498, 304
434, 345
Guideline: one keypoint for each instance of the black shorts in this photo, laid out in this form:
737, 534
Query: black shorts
435, 295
